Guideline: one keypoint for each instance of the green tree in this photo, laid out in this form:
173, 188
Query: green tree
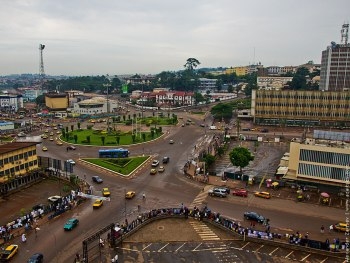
72, 127
209, 160
240, 157
67, 129
88, 139
75, 138
299, 80
191, 64
144, 136
78, 124
124, 118
103, 138
118, 139
133, 137
152, 133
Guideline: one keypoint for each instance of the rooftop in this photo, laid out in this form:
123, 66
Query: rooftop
10, 147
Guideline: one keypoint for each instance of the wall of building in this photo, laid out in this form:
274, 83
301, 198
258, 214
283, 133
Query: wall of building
56, 102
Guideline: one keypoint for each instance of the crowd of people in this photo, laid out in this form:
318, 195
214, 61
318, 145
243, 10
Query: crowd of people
29, 221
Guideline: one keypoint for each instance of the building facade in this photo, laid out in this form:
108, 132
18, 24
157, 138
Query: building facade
301, 108
7, 125
316, 162
335, 68
207, 84
11, 103
97, 105
273, 82
16, 159
174, 98
57, 101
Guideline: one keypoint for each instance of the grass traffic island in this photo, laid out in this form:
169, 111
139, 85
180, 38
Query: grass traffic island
114, 138
123, 166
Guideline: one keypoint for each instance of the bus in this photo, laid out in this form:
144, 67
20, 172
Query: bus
113, 153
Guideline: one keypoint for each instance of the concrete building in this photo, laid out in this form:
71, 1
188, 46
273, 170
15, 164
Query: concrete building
11, 103
16, 159
93, 106
301, 108
7, 125
207, 84
319, 162
335, 68
56, 101
273, 82
174, 98
240, 71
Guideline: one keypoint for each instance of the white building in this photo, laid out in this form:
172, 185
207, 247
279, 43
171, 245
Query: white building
97, 105
273, 82
6, 125
207, 84
11, 103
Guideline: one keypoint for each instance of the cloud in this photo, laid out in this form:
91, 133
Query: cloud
117, 37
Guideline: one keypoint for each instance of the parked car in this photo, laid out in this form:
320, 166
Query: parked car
59, 143
217, 192
130, 194
226, 189
98, 203
106, 192
240, 192
265, 195
97, 179
70, 224
254, 216
36, 258
161, 169
44, 149
8, 253
54, 198
171, 141
153, 171
71, 147
166, 159
155, 163
21, 134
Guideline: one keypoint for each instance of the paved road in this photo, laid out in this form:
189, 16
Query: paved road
163, 190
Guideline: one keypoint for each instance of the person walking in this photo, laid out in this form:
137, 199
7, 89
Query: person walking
322, 229
24, 238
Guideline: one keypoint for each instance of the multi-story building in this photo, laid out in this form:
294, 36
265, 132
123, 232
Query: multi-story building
335, 68
273, 82
17, 159
7, 125
175, 98
301, 108
273, 70
139, 79
335, 64
240, 71
10, 103
30, 94
207, 84
316, 162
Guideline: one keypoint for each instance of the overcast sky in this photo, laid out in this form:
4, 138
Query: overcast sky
98, 37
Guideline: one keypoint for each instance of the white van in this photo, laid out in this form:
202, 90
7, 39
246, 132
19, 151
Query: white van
213, 128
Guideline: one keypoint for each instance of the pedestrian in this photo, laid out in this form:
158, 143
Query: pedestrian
330, 228
322, 229
24, 238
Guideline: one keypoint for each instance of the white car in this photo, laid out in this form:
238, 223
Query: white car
54, 198
71, 161
155, 163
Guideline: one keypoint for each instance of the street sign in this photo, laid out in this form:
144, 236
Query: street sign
94, 196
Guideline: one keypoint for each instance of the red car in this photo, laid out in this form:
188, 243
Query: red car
240, 192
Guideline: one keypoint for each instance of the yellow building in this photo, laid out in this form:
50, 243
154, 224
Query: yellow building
315, 161
240, 71
301, 108
57, 101
17, 159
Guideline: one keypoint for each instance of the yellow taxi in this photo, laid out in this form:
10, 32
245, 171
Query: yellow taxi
59, 143
44, 136
44, 149
106, 192
51, 133
265, 195
130, 194
153, 171
8, 253
98, 203
46, 131
341, 227
51, 138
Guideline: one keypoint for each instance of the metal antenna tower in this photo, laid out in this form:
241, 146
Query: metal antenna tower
41, 63
344, 33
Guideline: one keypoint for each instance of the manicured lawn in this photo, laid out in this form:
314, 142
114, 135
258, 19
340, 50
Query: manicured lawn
120, 165
109, 139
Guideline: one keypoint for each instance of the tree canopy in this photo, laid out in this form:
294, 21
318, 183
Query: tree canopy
240, 157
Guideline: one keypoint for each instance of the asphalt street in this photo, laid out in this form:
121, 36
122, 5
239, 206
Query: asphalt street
168, 189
